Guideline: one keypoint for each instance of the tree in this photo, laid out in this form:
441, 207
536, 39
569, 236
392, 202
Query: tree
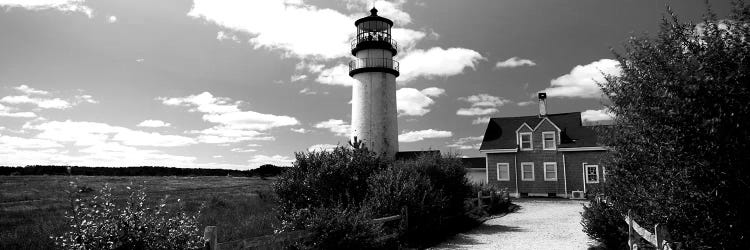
681, 139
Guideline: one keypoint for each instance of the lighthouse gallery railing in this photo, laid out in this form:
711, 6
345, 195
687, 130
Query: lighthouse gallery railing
377, 63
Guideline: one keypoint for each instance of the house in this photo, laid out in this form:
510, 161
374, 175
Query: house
475, 169
543, 154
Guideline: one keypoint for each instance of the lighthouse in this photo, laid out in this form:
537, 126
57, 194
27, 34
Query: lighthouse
374, 91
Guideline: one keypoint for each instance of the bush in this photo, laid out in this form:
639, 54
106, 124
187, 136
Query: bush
680, 141
100, 224
602, 222
360, 186
500, 204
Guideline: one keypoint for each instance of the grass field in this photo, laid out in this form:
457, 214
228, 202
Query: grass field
32, 207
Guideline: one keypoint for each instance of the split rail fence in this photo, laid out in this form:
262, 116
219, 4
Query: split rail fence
282, 240
659, 238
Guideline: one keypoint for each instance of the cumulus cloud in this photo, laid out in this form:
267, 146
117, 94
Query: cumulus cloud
481, 104
514, 62
270, 23
224, 36
44, 103
307, 91
278, 160
9, 112
413, 102
27, 143
414, 136
437, 62
153, 124
465, 143
581, 82
390, 9
112, 19
321, 147
60, 5
300, 130
481, 120
95, 133
295, 78
337, 75
30, 91
232, 124
338, 127
597, 115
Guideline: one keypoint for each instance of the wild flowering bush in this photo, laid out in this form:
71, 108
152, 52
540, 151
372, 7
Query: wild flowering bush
100, 223
337, 194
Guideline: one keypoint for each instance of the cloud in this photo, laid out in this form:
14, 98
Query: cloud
338, 127
27, 143
8, 112
295, 78
437, 62
278, 160
300, 130
153, 124
232, 124
44, 103
112, 19
94, 133
337, 75
481, 104
413, 102
224, 36
465, 143
526, 103
241, 150
307, 91
60, 5
84, 98
414, 136
514, 62
581, 82
597, 115
322, 147
30, 91
390, 9
271, 24
481, 120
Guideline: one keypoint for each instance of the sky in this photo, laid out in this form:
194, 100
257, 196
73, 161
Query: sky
239, 84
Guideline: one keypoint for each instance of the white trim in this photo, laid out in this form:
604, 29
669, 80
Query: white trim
550, 121
531, 141
545, 164
507, 170
604, 174
499, 150
554, 140
524, 124
565, 176
596, 167
582, 149
523, 178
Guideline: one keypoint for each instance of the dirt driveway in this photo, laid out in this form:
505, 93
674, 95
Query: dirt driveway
538, 224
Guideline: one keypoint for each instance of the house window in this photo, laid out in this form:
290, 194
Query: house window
526, 141
592, 174
550, 171
548, 141
527, 171
503, 172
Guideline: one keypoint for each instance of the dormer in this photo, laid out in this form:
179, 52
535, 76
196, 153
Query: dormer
524, 137
549, 133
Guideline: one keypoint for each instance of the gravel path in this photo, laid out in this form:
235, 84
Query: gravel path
538, 224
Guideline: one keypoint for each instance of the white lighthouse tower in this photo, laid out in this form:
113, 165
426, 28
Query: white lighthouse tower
374, 92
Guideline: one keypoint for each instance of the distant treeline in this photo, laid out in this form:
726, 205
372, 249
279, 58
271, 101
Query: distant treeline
267, 170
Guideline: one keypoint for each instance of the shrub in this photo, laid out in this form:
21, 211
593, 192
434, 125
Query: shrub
500, 204
680, 143
339, 228
100, 224
602, 222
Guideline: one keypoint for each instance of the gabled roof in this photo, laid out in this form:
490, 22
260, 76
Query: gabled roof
500, 133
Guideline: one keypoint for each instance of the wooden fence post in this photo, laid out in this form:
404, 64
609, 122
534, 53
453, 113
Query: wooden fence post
662, 237
630, 231
479, 199
209, 235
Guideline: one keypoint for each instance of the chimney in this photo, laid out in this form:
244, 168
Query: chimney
542, 104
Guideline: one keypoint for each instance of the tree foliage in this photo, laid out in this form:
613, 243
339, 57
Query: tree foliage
681, 139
